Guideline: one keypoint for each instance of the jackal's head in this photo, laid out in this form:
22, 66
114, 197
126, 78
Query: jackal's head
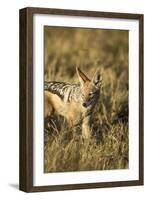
90, 89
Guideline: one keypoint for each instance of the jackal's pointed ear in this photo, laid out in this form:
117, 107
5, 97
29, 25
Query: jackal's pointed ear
97, 78
82, 77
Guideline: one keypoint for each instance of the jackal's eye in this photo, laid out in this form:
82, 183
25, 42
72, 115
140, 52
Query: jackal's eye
91, 94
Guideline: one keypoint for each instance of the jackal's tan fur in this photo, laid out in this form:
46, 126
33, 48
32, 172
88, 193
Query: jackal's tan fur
73, 101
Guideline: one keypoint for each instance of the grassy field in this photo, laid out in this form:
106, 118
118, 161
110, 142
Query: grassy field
64, 148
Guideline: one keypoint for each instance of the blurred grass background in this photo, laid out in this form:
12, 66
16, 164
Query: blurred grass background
91, 49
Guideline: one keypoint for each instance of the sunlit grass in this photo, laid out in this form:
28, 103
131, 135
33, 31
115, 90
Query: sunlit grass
64, 148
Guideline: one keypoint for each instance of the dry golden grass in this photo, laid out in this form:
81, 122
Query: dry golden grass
64, 149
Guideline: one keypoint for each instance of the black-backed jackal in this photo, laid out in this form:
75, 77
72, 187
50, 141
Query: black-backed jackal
73, 100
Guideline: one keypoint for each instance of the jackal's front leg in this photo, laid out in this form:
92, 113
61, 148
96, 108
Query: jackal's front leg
86, 127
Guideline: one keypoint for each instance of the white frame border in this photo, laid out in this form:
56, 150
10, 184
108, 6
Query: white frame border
40, 178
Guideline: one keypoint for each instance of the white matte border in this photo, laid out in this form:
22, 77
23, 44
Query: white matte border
39, 177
